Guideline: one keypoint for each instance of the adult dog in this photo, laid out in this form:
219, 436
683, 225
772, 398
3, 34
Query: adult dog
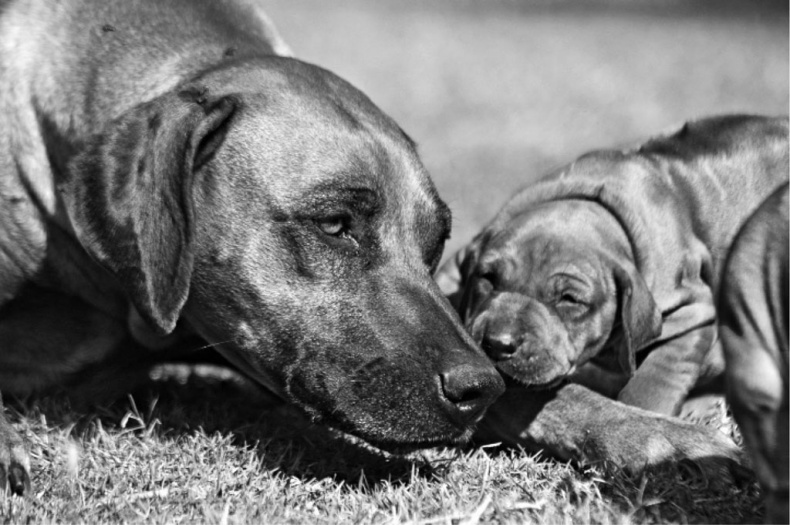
605, 272
163, 172
753, 318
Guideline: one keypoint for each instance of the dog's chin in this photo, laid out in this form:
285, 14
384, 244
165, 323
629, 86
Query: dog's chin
403, 445
400, 446
403, 448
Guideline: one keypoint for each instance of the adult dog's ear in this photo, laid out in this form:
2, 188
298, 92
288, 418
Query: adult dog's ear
128, 194
640, 318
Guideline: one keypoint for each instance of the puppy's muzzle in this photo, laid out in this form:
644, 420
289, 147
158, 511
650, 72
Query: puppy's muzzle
500, 346
522, 339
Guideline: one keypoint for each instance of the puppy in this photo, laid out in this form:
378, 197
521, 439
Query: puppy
604, 273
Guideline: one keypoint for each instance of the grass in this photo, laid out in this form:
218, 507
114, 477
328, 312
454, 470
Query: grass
495, 93
214, 453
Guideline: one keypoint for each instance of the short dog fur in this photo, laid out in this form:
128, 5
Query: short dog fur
164, 172
604, 274
753, 318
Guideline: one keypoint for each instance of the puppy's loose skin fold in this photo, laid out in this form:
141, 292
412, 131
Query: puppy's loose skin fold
604, 274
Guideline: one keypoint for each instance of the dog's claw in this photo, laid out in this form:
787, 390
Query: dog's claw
19, 480
14, 461
15, 480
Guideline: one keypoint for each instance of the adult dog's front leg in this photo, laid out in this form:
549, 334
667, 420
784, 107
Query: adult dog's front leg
664, 379
14, 461
576, 423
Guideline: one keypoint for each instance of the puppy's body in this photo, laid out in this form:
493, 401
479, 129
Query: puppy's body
753, 317
605, 272
163, 173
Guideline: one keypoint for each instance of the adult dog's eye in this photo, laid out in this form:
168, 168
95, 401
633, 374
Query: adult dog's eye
334, 226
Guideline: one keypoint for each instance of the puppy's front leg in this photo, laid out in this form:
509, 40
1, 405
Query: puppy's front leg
662, 382
14, 461
576, 423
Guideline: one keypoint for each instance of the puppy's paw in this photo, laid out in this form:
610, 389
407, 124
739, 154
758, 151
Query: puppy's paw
14, 461
641, 443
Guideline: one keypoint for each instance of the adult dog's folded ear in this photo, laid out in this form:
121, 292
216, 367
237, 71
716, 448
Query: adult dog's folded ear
128, 194
640, 318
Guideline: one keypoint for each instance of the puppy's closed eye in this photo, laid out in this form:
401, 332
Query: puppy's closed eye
571, 304
571, 298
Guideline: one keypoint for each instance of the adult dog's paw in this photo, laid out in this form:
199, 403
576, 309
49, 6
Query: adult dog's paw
14, 461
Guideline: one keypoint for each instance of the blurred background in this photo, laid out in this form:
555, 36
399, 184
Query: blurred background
497, 92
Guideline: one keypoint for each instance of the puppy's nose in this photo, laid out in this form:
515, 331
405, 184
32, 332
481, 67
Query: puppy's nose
499, 346
470, 388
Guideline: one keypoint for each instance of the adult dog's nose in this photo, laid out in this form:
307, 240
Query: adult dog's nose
499, 346
470, 388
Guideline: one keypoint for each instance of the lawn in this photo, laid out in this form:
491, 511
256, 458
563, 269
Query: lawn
199, 450
495, 93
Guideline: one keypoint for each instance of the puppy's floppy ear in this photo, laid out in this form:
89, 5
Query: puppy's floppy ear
452, 277
128, 194
640, 318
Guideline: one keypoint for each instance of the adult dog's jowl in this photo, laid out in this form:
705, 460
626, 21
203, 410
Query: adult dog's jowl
163, 172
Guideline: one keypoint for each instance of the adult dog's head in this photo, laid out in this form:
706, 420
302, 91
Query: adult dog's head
549, 288
272, 208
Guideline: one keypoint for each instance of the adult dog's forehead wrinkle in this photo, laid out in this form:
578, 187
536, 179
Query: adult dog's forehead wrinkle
362, 144
356, 194
418, 221
414, 211
339, 157
295, 87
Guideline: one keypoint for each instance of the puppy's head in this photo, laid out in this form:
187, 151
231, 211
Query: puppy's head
553, 288
274, 209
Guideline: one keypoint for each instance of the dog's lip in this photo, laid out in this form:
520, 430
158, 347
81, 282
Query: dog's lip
515, 382
402, 448
405, 446
451, 435
245, 368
